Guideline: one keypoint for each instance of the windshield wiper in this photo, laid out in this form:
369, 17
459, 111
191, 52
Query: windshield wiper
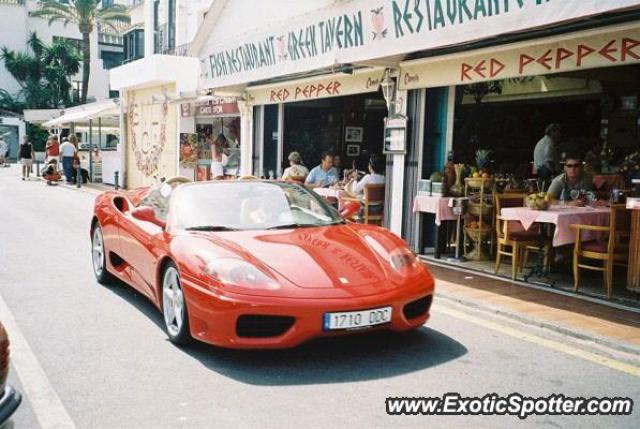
292, 225
211, 228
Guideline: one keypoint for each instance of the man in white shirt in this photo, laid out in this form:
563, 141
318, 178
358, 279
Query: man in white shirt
67, 152
545, 157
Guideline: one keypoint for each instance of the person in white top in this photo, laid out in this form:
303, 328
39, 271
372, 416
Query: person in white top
67, 152
296, 171
218, 157
356, 187
545, 157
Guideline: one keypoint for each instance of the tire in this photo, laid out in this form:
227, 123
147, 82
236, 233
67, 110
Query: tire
174, 307
99, 257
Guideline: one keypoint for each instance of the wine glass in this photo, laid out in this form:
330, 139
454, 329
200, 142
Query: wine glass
574, 194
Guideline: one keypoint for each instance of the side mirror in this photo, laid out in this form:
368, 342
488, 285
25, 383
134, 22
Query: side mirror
147, 214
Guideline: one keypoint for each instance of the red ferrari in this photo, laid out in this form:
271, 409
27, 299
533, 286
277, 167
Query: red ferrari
256, 264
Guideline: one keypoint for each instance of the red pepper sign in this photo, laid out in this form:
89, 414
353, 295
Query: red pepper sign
575, 53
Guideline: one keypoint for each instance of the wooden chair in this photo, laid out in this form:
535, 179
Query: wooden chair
613, 251
372, 204
505, 238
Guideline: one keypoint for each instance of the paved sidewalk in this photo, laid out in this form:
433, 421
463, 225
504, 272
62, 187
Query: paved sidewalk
609, 326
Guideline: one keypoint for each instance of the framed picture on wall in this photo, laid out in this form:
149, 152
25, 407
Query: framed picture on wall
353, 150
353, 134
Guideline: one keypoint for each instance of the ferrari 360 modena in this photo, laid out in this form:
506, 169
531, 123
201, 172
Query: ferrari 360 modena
256, 264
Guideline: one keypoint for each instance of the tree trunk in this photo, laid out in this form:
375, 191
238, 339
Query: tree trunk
86, 65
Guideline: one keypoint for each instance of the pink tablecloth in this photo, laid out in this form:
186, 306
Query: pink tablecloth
436, 205
561, 217
332, 192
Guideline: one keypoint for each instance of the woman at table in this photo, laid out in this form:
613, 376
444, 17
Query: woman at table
376, 167
573, 179
296, 171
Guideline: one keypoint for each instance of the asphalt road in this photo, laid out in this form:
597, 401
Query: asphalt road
90, 356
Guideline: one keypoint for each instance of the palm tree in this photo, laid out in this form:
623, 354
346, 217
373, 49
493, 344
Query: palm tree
43, 74
86, 14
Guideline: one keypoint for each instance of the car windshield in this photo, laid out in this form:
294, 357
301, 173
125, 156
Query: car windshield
249, 205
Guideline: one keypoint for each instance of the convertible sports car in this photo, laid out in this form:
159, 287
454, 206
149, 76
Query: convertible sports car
256, 264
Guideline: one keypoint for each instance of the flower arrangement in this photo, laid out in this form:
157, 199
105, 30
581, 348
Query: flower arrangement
631, 164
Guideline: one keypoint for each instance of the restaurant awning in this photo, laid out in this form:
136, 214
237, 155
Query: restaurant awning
106, 110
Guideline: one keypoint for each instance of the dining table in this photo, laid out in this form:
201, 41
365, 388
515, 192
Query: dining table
442, 208
332, 192
562, 217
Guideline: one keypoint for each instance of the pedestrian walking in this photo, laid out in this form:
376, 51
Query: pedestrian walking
26, 157
67, 152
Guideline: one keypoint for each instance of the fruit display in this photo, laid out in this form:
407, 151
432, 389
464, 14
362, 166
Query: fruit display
537, 201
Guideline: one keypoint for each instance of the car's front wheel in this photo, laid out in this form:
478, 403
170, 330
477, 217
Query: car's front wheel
174, 306
99, 257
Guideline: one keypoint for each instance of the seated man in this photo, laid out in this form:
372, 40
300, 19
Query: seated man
573, 179
324, 174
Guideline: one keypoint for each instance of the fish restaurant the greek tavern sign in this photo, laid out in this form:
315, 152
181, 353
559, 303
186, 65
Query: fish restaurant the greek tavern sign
361, 30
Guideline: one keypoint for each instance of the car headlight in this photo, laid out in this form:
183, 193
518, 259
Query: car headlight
236, 272
404, 261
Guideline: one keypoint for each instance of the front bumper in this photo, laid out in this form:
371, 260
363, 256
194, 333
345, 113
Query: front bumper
9, 402
213, 318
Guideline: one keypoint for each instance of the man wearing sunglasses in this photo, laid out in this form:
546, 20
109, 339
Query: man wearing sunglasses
573, 178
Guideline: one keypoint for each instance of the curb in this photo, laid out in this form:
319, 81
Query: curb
73, 187
561, 329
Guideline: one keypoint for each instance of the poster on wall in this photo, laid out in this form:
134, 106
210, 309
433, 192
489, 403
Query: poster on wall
188, 150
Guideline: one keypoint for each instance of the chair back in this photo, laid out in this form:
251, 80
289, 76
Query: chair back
502, 201
374, 194
373, 197
620, 227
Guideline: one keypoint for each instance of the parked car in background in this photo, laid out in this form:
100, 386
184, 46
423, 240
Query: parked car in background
9, 398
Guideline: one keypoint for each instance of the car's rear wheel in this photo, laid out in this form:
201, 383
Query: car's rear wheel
99, 257
174, 307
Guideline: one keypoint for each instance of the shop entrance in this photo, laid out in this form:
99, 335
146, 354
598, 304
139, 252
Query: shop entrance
208, 131
496, 128
350, 127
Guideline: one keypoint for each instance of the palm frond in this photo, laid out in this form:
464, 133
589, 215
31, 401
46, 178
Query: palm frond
54, 11
35, 44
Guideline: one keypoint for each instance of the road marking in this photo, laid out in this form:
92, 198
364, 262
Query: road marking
44, 400
551, 344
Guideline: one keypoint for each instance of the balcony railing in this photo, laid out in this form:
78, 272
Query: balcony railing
165, 46
15, 2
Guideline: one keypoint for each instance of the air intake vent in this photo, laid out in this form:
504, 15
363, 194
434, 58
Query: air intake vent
417, 308
255, 326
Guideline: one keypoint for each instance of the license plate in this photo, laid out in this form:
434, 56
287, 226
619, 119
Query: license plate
357, 319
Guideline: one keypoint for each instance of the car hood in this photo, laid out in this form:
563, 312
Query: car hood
314, 258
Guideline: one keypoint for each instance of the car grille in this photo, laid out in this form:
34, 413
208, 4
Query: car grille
417, 308
258, 326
